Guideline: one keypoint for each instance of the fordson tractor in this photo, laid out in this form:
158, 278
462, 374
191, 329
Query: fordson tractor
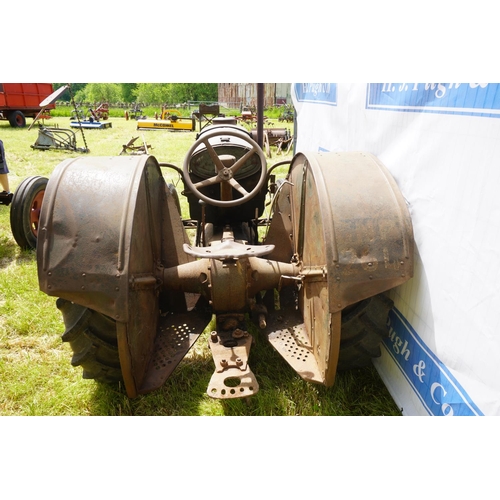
137, 284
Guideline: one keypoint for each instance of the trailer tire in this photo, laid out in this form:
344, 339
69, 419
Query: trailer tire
25, 211
364, 327
92, 337
17, 119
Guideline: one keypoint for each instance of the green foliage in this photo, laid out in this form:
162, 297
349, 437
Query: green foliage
66, 95
100, 92
183, 92
149, 93
128, 90
175, 92
153, 92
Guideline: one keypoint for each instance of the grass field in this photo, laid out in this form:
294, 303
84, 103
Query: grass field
37, 378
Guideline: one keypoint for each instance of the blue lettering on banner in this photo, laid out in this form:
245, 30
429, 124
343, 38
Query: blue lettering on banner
319, 93
438, 390
476, 99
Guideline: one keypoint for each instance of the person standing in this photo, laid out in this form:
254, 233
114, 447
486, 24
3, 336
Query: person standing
4, 170
5, 195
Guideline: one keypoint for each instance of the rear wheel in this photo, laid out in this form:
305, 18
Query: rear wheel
364, 327
25, 211
93, 339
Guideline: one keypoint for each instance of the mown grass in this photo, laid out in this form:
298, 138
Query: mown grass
35, 370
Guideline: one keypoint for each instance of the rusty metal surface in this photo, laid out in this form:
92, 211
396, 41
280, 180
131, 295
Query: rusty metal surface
245, 384
102, 251
80, 252
228, 285
232, 377
274, 134
288, 334
176, 334
280, 231
340, 233
351, 237
353, 209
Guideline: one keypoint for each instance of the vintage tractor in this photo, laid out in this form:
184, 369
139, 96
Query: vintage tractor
136, 291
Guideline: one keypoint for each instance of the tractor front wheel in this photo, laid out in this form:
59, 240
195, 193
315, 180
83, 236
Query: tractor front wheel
25, 211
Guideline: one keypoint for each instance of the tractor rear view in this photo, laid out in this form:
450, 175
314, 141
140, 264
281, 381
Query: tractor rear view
136, 291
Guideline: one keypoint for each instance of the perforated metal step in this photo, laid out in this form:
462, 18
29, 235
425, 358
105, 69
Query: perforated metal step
289, 337
175, 336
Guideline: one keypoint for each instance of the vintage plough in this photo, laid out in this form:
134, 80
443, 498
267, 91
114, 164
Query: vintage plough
136, 291
57, 138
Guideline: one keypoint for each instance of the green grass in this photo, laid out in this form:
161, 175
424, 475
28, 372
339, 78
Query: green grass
37, 378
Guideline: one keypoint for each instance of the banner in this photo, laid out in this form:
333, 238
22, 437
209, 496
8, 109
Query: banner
474, 99
441, 142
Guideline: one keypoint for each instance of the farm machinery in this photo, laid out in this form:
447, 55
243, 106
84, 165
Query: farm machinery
169, 119
55, 137
136, 288
96, 118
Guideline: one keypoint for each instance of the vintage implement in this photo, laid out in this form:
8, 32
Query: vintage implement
136, 292
168, 120
57, 138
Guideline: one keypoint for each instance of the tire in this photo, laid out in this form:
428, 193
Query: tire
364, 327
17, 119
93, 339
25, 211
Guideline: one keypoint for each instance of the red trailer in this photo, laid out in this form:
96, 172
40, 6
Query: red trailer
21, 100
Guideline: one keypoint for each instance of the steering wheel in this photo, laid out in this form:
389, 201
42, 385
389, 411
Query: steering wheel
225, 174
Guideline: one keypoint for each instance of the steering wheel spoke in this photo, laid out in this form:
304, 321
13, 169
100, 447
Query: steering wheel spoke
213, 155
207, 182
238, 187
242, 160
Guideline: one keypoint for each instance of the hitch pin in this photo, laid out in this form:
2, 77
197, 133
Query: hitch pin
299, 279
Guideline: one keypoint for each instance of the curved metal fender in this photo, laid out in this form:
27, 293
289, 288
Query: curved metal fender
350, 204
86, 226
107, 225
343, 220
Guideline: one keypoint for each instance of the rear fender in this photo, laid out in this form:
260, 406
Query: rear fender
350, 233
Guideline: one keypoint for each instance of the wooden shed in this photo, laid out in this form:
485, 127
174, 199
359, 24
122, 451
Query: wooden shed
237, 95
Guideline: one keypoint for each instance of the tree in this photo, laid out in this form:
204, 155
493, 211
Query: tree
153, 93
183, 92
173, 93
128, 91
100, 92
66, 96
148, 93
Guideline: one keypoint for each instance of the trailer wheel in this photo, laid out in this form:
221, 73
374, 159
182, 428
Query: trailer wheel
17, 119
93, 339
364, 327
25, 211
